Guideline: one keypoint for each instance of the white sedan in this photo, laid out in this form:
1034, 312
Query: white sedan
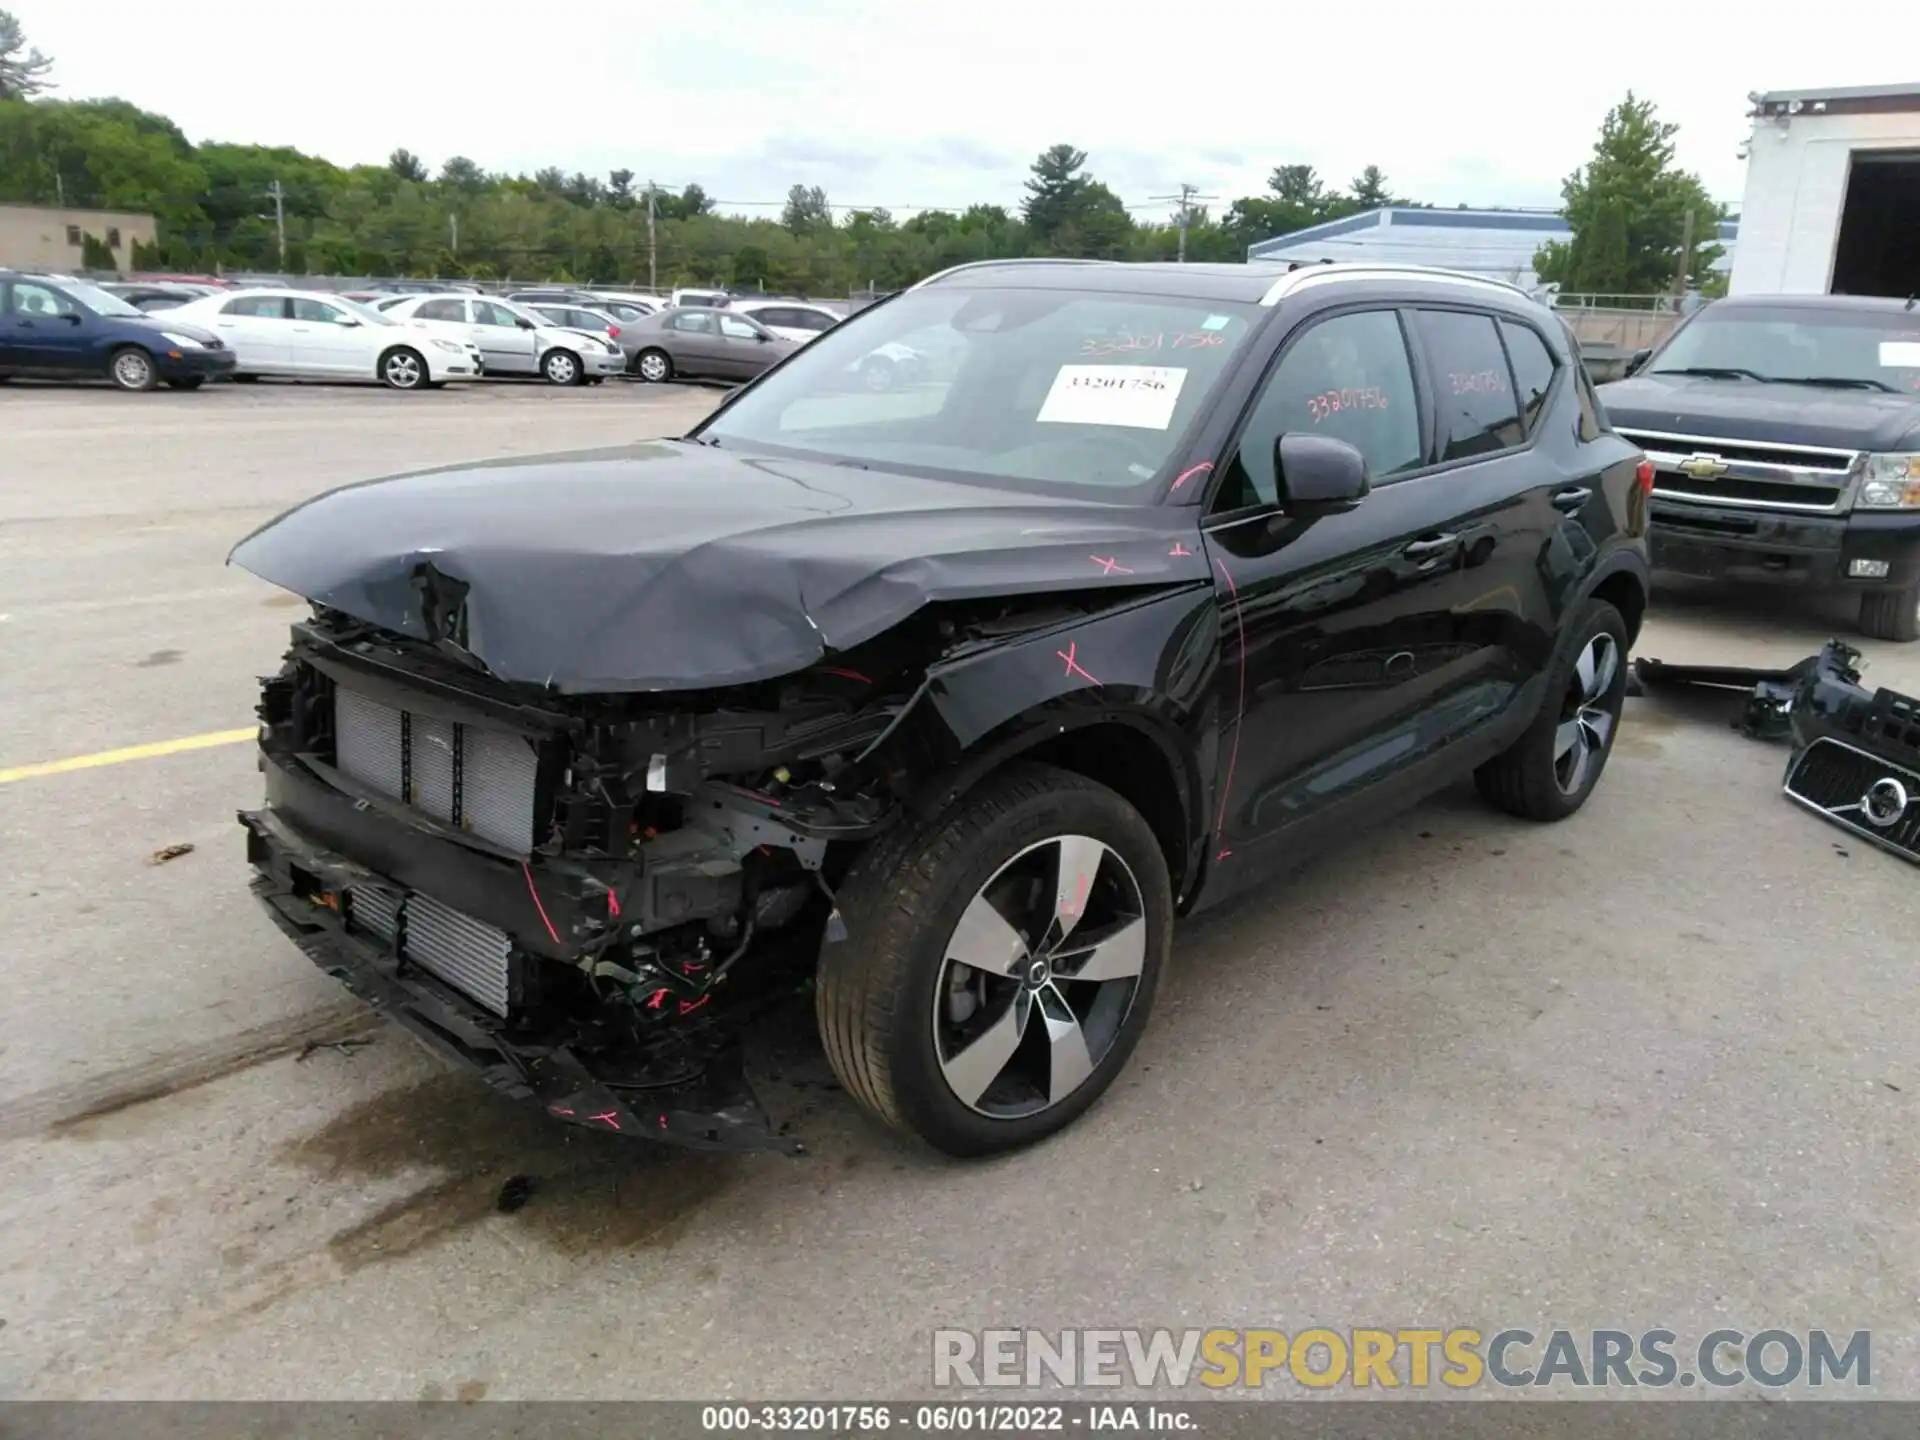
513, 339
311, 336
789, 319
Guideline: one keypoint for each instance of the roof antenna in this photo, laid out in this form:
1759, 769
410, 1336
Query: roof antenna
1909, 304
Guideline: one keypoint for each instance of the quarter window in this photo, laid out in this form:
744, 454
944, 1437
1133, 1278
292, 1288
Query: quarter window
1533, 368
1347, 377
698, 324
1474, 409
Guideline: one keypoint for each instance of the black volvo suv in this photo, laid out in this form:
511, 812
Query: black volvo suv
944, 701
1785, 436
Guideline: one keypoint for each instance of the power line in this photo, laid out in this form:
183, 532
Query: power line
1188, 194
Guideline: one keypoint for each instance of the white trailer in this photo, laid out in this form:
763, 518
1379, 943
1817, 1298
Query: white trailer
1832, 202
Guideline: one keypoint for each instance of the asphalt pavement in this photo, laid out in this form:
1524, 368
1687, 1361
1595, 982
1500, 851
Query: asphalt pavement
1652, 1067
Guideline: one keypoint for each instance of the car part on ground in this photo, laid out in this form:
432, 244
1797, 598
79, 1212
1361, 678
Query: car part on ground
945, 701
1856, 752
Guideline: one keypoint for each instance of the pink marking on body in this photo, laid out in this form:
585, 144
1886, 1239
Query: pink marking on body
687, 1008
1179, 549
657, 999
612, 1118
558, 1110
1073, 665
1192, 470
1109, 566
1239, 713
527, 871
1222, 855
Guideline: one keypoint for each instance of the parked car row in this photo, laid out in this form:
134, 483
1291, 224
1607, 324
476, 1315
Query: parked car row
181, 332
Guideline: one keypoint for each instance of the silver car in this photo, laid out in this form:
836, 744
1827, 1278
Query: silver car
701, 343
595, 321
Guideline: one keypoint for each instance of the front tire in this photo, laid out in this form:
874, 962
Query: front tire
132, 368
957, 995
653, 366
402, 368
562, 367
1549, 772
187, 382
1891, 614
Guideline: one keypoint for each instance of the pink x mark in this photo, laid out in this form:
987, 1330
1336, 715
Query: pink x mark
611, 1117
1073, 665
1109, 566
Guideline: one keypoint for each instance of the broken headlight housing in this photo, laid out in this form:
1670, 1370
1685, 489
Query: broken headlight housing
1890, 482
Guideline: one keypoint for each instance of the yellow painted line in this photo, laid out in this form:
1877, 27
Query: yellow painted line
154, 751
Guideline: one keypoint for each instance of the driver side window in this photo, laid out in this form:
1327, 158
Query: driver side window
1347, 377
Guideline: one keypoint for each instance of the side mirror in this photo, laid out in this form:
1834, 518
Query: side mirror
1318, 475
762, 336
345, 322
1636, 360
523, 323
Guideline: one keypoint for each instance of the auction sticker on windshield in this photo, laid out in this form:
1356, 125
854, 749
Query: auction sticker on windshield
1141, 396
1900, 354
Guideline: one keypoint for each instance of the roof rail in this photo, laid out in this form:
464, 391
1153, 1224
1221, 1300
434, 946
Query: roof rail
1301, 276
992, 264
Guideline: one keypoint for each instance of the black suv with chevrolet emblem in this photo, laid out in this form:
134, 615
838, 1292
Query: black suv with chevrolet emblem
1785, 436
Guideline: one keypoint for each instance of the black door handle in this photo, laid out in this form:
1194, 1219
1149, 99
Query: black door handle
1431, 548
1571, 500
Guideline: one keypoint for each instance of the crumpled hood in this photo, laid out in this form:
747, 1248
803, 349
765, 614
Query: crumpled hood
673, 566
1772, 412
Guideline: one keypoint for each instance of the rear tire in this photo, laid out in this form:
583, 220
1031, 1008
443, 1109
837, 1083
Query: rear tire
402, 368
653, 366
1891, 614
1549, 772
190, 382
132, 368
240, 379
562, 367
979, 1059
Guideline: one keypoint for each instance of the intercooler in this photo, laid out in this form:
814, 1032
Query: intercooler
470, 955
473, 778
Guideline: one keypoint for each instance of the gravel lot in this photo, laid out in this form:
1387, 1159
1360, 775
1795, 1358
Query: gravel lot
1654, 1067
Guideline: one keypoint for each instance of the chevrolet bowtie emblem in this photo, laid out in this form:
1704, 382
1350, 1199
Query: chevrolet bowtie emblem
1703, 467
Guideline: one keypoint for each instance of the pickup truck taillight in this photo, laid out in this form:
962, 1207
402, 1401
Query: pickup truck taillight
1643, 475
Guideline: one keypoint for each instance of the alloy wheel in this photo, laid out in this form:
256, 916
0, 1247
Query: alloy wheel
653, 368
1039, 976
1586, 722
132, 370
403, 371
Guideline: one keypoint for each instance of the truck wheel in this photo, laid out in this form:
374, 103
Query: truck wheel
1550, 770
1891, 614
985, 976
131, 368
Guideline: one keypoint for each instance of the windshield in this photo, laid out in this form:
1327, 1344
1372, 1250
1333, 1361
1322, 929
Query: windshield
1051, 388
101, 302
1859, 349
365, 312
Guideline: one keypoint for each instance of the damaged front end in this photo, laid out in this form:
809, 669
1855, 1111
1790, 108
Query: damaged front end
1856, 752
586, 900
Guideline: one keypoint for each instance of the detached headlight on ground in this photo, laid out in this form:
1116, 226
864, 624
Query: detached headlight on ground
181, 341
1891, 482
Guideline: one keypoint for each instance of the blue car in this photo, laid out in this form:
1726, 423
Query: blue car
72, 329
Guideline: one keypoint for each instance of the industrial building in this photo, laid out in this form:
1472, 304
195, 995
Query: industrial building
1499, 244
44, 237
1833, 193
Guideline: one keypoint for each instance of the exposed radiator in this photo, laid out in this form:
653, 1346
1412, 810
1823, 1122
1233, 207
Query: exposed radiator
466, 776
470, 955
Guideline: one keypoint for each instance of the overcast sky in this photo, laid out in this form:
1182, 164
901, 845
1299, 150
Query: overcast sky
914, 103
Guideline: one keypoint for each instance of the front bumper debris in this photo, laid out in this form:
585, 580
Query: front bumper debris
1856, 752
299, 882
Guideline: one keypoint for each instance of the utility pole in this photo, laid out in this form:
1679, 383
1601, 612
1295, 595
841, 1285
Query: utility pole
1188, 194
1686, 263
453, 234
653, 254
278, 195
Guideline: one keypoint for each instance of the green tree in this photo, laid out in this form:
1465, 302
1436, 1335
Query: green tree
94, 254
1369, 190
1053, 191
1627, 208
22, 71
806, 210
407, 165
620, 188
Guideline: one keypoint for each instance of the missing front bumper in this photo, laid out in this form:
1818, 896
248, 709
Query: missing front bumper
712, 1108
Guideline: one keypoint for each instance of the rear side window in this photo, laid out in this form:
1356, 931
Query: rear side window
1347, 377
1474, 409
1533, 369
697, 324
441, 310
265, 307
